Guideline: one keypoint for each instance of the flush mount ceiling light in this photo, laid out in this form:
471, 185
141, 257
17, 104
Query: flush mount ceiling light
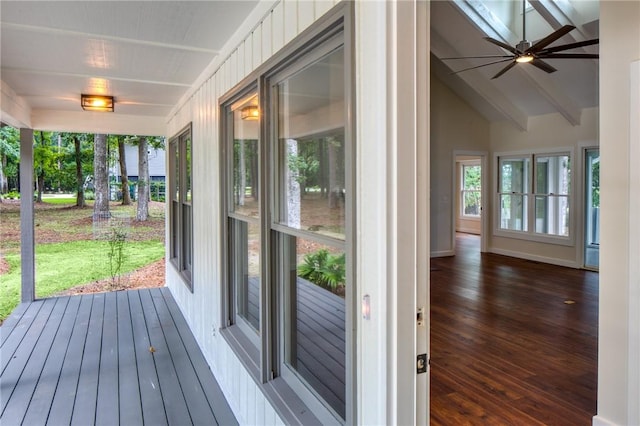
250, 112
97, 103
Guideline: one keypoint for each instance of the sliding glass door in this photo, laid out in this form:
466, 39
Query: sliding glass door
592, 209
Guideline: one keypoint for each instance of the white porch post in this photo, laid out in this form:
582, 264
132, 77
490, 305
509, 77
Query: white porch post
27, 240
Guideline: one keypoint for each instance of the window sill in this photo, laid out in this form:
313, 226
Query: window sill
538, 238
277, 392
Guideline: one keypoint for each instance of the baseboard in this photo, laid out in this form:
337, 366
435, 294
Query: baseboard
468, 231
443, 253
532, 257
600, 421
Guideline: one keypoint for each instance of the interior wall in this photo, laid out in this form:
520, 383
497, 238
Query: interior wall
618, 371
549, 131
454, 126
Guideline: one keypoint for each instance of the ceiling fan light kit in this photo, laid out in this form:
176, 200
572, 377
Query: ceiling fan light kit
533, 53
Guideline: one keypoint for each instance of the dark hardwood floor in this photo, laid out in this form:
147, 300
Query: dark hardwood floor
512, 341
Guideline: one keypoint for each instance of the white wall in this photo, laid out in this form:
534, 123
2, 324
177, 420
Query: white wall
455, 126
617, 371
549, 131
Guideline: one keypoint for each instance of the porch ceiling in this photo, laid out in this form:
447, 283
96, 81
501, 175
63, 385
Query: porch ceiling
146, 54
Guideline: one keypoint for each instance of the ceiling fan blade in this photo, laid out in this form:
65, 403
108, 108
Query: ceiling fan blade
569, 46
541, 44
505, 69
479, 57
505, 46
483, 65
570, 56
543, 65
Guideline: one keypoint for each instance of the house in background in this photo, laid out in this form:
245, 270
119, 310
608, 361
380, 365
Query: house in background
157, 170
346, 89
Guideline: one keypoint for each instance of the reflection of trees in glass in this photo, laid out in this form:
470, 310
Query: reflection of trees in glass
319, 167
245, 170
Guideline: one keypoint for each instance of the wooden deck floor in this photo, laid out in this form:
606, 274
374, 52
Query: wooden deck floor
505, 347
124, 358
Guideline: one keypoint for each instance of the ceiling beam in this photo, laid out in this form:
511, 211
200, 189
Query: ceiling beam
487, 22
480, 84
560, 12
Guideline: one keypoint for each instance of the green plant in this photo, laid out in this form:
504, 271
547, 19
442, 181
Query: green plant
116, 239
324, 269
13, 195
89, 195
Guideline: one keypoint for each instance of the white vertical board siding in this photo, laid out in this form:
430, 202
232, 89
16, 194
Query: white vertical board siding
263, 38
376, 226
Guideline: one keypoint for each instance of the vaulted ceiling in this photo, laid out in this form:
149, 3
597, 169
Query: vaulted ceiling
458, 28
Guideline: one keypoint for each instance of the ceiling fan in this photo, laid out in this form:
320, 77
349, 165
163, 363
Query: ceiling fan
534, 53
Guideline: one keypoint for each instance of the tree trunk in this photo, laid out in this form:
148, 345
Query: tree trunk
142, 212
100, 178
4, 187
40, 177
79, 178
334, 188
124, 177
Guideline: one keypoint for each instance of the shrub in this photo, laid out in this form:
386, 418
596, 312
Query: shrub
324, 269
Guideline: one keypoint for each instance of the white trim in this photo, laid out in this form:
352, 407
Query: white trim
601, 421
535, 258
634, 249
443, 253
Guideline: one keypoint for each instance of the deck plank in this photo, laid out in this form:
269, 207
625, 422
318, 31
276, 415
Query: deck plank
128, 391
40, 404
63, 399
148, 381
195, 398
84, 408
172, 396
221, 409
16, 363
13, 320
107, 399
87, 360
16, 405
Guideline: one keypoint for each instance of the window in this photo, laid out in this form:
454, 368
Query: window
535, 200
180, 203
471, 190
288, 229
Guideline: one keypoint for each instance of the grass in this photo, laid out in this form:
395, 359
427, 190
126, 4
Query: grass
67, 255
60, 266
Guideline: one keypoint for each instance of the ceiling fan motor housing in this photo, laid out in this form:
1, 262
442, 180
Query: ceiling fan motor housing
523, 46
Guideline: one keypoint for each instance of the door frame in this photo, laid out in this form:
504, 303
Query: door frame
484, 223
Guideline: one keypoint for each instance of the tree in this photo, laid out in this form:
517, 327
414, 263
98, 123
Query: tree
44, 159
9, 156
142, 212
124, 177
101, 177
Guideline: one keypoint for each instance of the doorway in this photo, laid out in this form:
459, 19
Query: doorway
592, 209
468, 195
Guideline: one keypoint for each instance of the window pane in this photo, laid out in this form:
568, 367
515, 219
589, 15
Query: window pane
245, 270
314, 279
186, 237
311, 146
514, 175
471, 177
513, 212
471, 203
175, 229
187, 167
245, 158
552, 215
175, 174
552, 175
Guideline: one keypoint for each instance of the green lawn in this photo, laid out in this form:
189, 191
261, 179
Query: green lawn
60, 266
59, 200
